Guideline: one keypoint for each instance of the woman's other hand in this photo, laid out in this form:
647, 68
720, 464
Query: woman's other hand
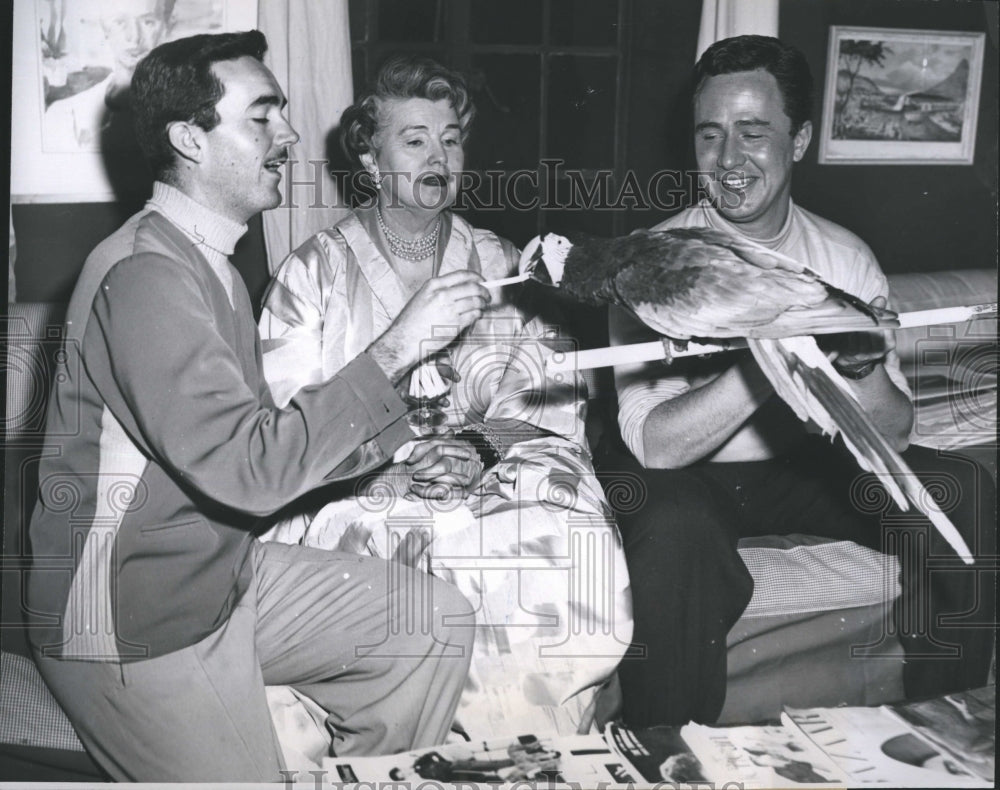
443, 466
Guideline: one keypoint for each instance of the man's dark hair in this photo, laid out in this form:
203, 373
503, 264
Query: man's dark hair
752, 53
175, 82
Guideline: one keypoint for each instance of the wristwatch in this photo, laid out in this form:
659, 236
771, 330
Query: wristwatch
856, 373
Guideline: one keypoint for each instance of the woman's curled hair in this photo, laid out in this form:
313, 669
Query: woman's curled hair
403, 77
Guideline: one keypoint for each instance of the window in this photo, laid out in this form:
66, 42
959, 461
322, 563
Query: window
550, 83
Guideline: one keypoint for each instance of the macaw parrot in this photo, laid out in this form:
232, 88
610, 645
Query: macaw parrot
703, 283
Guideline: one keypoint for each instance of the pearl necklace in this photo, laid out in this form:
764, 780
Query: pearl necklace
410, 249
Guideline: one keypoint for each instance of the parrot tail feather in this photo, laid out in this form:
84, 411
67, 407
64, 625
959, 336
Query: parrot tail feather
874, 453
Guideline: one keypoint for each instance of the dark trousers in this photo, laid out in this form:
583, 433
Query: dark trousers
689, 584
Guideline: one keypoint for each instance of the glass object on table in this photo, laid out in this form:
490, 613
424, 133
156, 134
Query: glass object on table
427, 395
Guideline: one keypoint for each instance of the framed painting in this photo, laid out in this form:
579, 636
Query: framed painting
897, 96
73, 60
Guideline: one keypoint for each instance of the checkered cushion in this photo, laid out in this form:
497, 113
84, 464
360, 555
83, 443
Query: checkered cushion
29, 714
797, 573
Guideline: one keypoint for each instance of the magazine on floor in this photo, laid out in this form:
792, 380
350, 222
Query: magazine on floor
761, 756
656, 754
944, 742
938, 743
581, 760
963, 725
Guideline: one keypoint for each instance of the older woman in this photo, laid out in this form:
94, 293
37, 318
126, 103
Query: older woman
499, 480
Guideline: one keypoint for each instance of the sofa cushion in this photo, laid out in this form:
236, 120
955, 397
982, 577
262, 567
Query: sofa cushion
29, 714
795, 574
951, 369
814, 659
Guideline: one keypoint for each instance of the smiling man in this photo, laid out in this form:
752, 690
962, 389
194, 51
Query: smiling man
164, 617
722, 458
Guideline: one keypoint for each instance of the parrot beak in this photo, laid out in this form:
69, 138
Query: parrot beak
531, 256
536, 257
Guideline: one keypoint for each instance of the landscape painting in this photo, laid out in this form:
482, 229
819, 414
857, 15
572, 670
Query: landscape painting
901, 96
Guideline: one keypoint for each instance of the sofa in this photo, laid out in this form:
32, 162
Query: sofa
813, 600
814, 633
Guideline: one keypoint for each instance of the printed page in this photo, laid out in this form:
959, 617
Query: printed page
964, 724
656, 754
583, 760
874, 747
767, 756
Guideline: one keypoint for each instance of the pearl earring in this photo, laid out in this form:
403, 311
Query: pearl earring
376, 176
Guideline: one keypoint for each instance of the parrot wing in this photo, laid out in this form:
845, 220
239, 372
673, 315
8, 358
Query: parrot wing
698, 282
805, 379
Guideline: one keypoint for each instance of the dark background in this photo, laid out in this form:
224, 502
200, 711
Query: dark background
607, 84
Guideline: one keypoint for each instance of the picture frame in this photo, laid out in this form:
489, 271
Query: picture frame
72, 61
898, 96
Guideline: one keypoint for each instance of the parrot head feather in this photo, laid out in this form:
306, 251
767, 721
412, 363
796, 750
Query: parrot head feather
544, 258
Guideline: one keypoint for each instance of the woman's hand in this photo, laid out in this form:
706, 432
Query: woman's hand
442, 466
442, 308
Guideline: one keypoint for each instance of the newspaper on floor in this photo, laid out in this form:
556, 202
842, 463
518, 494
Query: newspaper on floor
579, 760
875, 746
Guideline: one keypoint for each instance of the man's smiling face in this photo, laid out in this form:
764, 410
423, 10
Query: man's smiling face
744, 144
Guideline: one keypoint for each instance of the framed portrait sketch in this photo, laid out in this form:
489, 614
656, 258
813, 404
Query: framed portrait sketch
71, 135
901, 96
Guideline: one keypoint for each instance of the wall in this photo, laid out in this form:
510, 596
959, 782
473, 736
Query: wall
53, 240
914, 217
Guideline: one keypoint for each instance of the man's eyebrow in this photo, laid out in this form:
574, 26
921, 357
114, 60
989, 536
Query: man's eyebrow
268, 100
743, 124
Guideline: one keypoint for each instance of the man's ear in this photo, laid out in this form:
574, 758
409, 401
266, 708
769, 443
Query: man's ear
186, 139
801, 141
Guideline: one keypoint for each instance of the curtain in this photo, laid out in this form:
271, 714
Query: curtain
12, 255
725, 18
309, 51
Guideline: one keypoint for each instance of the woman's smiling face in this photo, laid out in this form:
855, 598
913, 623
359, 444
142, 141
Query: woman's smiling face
418, 150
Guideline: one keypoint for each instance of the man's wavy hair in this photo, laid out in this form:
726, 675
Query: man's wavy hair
175, 82
402, 77
751, 53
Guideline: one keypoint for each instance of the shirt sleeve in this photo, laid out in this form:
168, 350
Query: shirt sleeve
172, 375
640, 385
295, 320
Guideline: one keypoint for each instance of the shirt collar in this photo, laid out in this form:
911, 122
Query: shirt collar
197, 221
719, 222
